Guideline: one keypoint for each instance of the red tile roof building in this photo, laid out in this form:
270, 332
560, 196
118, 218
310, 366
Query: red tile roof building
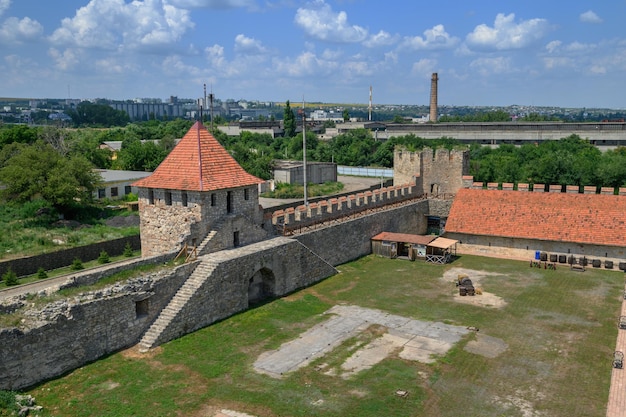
199, 196
586, 224
199, 163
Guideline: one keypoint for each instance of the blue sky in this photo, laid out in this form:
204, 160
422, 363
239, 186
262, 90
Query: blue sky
486, 52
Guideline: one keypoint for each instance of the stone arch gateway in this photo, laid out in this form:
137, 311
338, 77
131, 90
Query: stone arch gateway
261, 286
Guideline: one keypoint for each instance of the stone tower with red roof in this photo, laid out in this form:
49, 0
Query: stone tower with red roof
199, 196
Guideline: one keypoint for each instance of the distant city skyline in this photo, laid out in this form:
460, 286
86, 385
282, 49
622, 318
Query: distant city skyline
486, 53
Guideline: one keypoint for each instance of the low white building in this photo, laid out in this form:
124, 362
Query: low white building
117, 184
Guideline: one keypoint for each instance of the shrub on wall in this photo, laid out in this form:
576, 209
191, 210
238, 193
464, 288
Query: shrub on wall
128, 250
77, 265
10, 278
41, 273
104, 257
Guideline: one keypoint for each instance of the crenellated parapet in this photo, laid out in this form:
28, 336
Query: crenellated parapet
344, 206
468, 182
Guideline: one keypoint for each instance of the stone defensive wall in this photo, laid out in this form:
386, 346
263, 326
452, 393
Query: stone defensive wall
342, 242
59, 259
279, 266
290, 219
66, 334
70, 333
468, 182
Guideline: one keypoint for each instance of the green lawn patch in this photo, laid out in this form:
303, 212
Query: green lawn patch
559, 329
284, 190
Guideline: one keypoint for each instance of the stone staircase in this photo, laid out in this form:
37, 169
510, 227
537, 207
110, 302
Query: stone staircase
205, 242
152, 336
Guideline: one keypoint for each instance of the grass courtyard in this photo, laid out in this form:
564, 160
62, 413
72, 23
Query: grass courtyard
556, 331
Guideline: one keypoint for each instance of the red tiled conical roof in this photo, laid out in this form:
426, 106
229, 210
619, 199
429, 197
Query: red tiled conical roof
562, 217
210, 169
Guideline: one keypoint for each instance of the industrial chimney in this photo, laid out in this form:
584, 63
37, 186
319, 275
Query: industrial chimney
433, 97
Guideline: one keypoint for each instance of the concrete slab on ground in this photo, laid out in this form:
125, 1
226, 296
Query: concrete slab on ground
415, 339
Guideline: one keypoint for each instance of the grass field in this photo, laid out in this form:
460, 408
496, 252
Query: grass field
558, 327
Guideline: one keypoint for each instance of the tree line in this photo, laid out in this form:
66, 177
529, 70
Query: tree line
569, 161
57, 164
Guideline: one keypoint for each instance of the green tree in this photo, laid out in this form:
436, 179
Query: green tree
18, 134
86, 142
141, 156
289, 121
345, 115
98, 115
612, 168
39, 171
56, 137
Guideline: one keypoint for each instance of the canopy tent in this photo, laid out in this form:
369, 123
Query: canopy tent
441, 250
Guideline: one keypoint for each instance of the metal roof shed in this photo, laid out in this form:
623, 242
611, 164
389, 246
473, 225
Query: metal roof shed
392, 245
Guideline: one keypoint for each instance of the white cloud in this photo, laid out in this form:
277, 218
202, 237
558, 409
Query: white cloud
382, 38
114, 66
489, 66
354, 69
174, 66
597, 69
329, 54
215, 55
117, 25
248, 46
14, 30
213, 4
4, 5
558, 62
321, 22
553, 46
579, 47
435, 38
590, 17
424, 67
391, 57
305, 64
65, 60
506, 34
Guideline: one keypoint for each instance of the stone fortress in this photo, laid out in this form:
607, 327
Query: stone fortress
200, 204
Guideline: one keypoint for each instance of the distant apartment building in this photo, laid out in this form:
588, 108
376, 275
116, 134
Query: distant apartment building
150, 110
323, 115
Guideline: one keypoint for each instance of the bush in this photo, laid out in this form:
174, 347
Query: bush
77, 265
104, 258
8, 403
128, 250
41, 273
10, 278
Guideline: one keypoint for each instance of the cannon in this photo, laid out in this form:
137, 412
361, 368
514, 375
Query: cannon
466, 286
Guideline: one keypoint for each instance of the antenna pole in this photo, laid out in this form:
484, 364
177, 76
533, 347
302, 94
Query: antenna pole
306, 203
